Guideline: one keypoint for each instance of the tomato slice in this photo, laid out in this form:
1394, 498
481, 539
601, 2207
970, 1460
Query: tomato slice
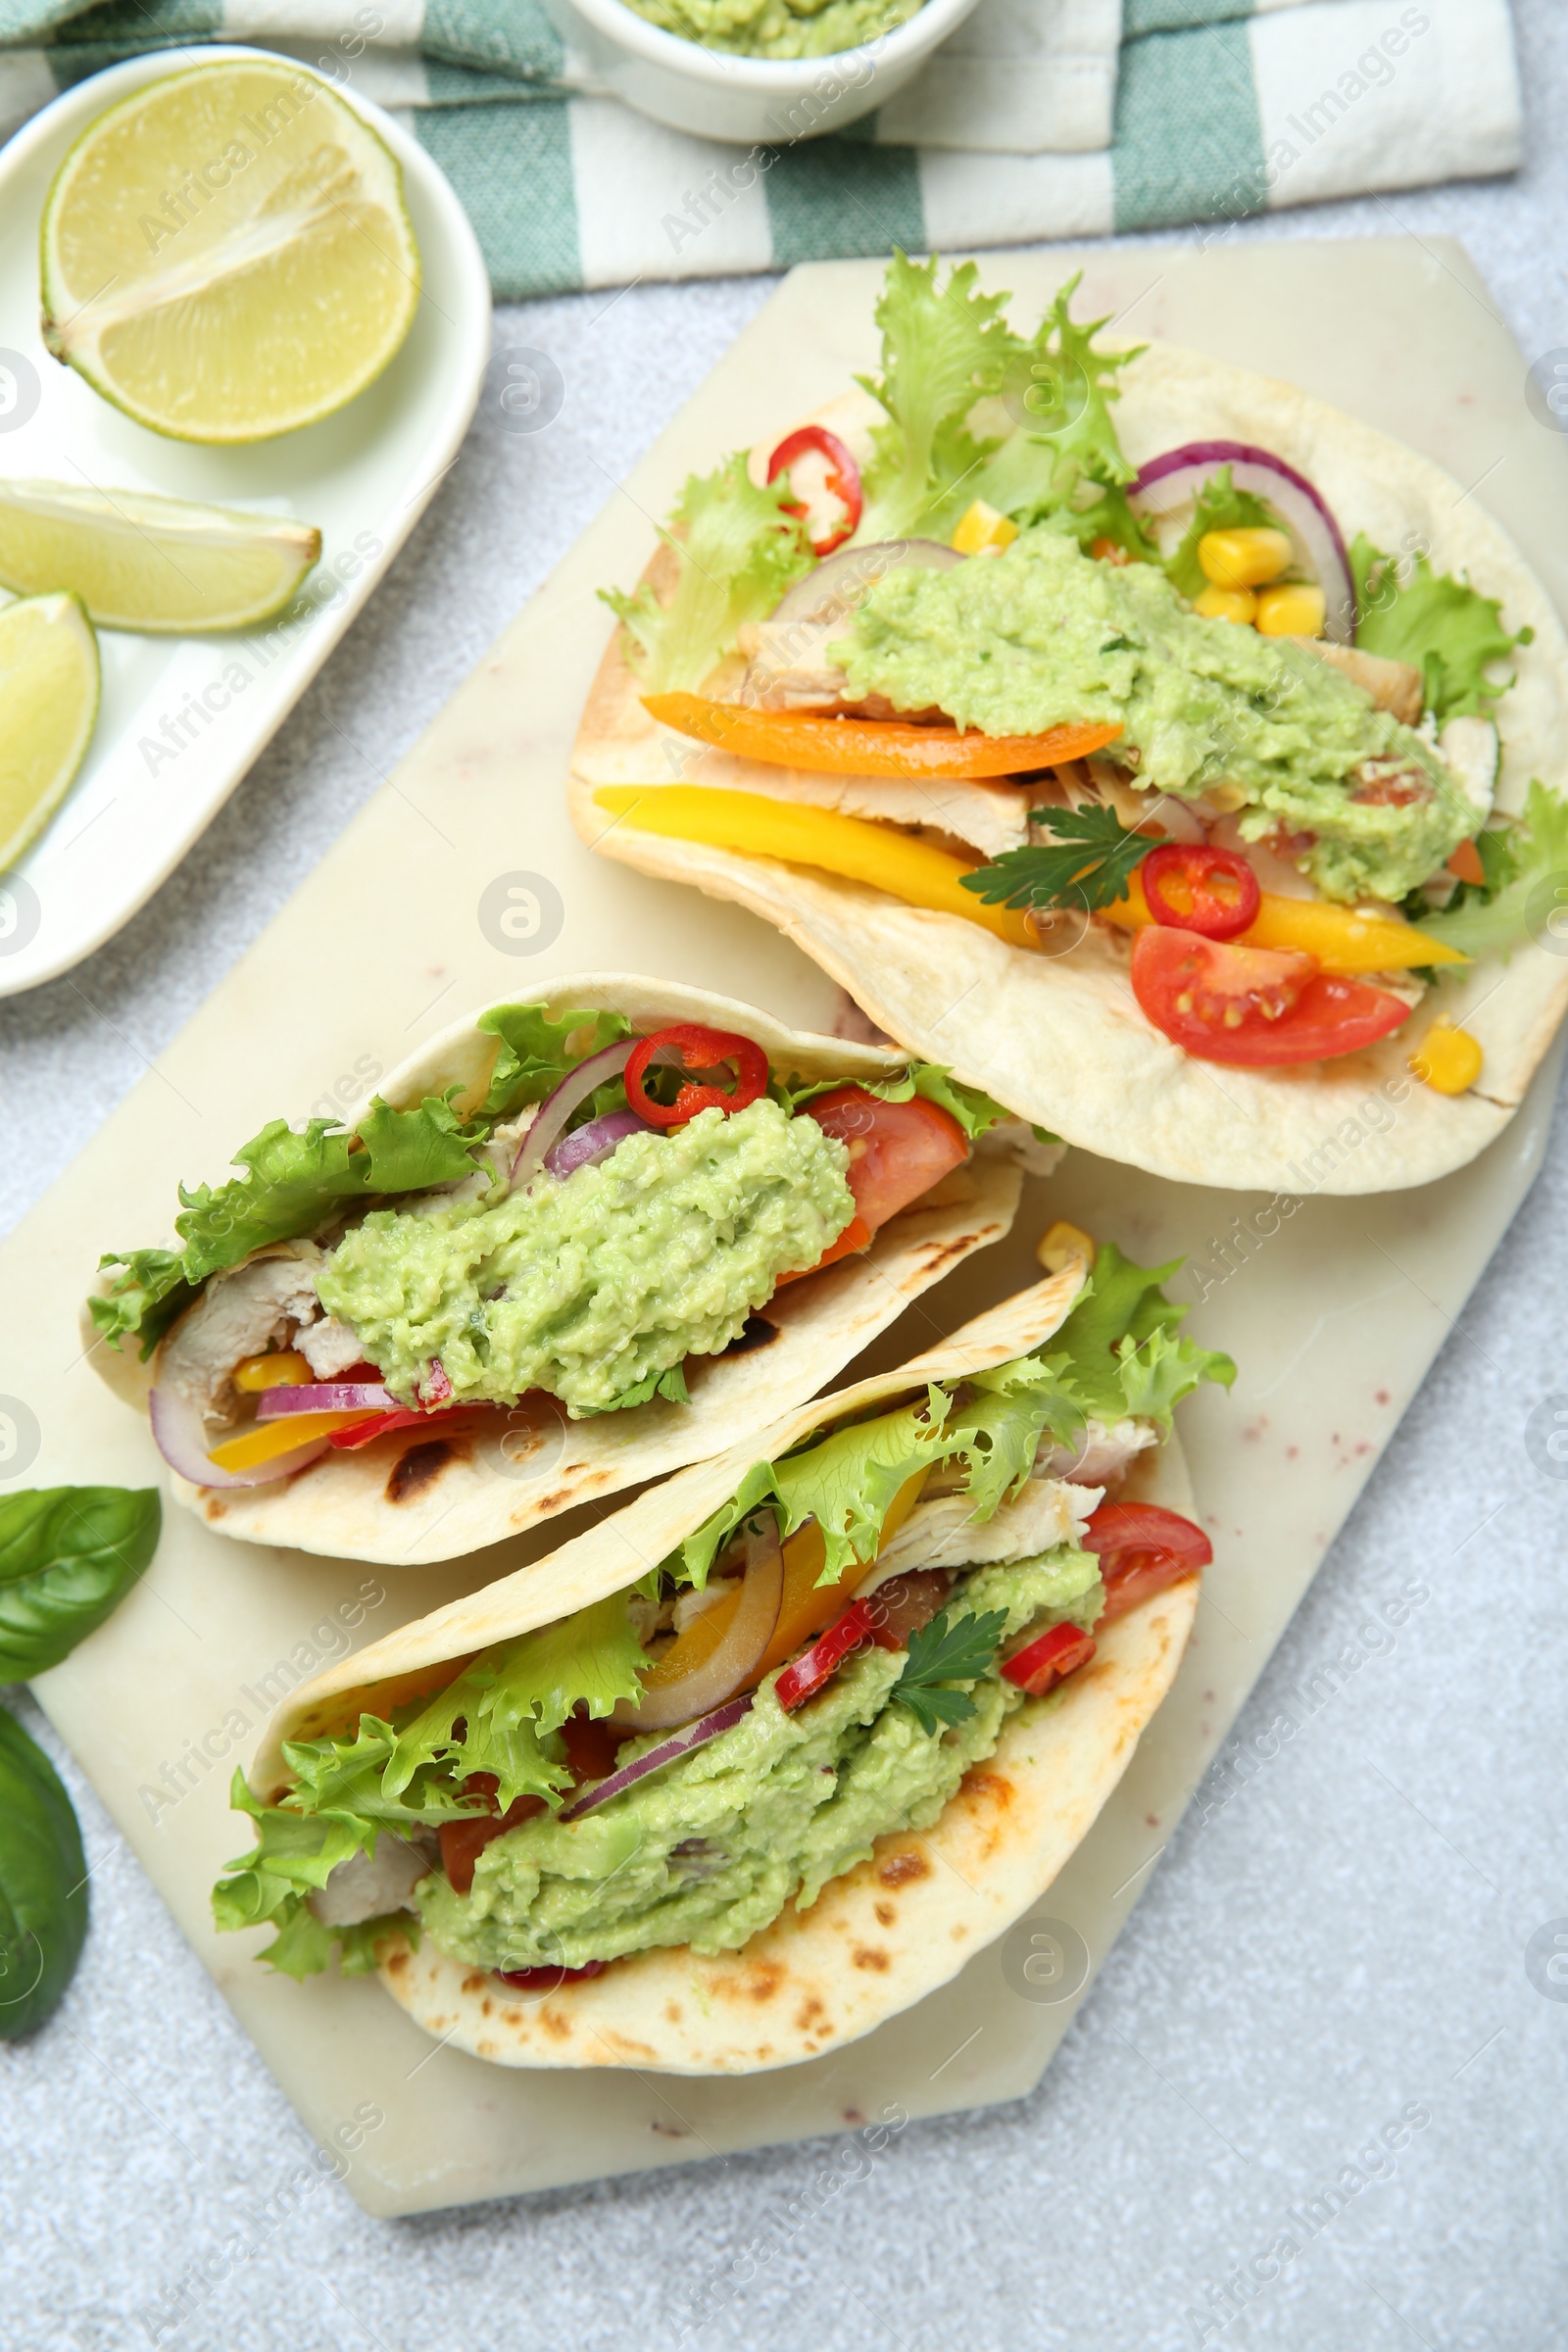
463, 1842
697, 1048
1143, 1548
897, 1151
1049, 1660
1213, 892
1259, 1007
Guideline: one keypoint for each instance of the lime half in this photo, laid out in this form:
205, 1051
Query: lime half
138, 562
227, 255
49, 698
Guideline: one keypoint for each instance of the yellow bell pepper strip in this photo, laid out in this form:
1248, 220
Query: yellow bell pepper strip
853, 847
870, 746
286, 1435
1341, 939
981, 527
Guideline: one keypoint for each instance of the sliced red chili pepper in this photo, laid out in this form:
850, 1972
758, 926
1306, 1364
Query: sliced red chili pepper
1194, 887
1049, 1660
842, 479
1143, 1548
697, 1048
827, 1653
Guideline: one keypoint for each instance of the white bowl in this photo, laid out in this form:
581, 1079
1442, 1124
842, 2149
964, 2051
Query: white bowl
753, 101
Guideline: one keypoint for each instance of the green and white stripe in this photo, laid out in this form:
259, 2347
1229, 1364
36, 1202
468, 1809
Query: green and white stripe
1033, 123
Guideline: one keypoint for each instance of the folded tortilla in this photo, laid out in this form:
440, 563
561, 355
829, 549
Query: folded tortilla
887, 1932
417, 1495
1060, 1039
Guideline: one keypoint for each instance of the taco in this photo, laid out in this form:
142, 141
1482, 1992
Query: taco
573, 1244
1034, 690
761, 1759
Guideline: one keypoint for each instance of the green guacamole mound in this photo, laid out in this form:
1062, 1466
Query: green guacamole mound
710, 1849
778, 28
1043, 634
587, 1285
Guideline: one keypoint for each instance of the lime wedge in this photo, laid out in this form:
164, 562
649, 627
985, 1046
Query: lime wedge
49, 695
138, 562
226, 253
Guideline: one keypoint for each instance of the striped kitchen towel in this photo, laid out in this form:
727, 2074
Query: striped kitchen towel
1041, 119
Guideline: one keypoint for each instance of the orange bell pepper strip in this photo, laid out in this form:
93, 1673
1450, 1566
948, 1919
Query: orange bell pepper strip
853, 847
808, 1607
870, 746
1343, 940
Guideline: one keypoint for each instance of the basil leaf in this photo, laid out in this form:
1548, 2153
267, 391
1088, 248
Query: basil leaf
43, 1884
67, 1556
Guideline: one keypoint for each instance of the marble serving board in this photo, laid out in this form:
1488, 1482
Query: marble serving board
462, 883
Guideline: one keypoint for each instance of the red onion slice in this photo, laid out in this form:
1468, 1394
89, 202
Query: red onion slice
560, 1103
1175, 479
746, 1642
840, 584
181, 1436
325, 1397
695, 1734
586, 1146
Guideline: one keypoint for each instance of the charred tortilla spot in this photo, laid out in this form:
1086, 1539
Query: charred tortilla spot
988, 1787
217, 1510
886, 1914
486, 2049
397, 1964
759, 1332
811, 2009
474, 1983
556, 2022
673, 2013
867, 1955
761, 1981
487, 2007
900, 1869
413, 1472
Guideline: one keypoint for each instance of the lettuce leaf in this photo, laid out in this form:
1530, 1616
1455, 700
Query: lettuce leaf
943, 347
532, 1057
294, 1183
997, 1431
1122, 1343
1439, 624
1220, 506
976, 1112
294, 1853
1065, 466
736, 550
1531, 867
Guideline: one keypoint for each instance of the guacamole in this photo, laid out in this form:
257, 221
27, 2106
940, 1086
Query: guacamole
710, 1850
778, 28
1043, 634
587, 1285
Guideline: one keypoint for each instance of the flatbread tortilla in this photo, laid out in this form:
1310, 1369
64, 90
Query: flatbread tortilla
885, 1933
1060, 1039
416, 1497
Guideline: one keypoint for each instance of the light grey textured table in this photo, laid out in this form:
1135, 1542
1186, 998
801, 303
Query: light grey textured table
1342, 1941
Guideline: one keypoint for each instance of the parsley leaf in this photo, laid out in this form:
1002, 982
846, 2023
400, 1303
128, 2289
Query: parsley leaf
1091, 868
944, 1653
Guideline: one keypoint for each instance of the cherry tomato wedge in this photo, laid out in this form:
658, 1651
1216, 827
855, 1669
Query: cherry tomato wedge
1257, 1007
827, 1653
1049, 1660
897, 1151
842, 479
463, 1842
697, 1049
1143, 1548
1213, 892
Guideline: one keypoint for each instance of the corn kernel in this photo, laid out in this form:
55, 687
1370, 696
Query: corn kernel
1062, 1244
1448, 1060
1295, 610
255, 1373
1243, 559
982, 528
1227, 603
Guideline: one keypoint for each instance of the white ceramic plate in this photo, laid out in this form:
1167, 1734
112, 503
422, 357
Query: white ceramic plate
163, 759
